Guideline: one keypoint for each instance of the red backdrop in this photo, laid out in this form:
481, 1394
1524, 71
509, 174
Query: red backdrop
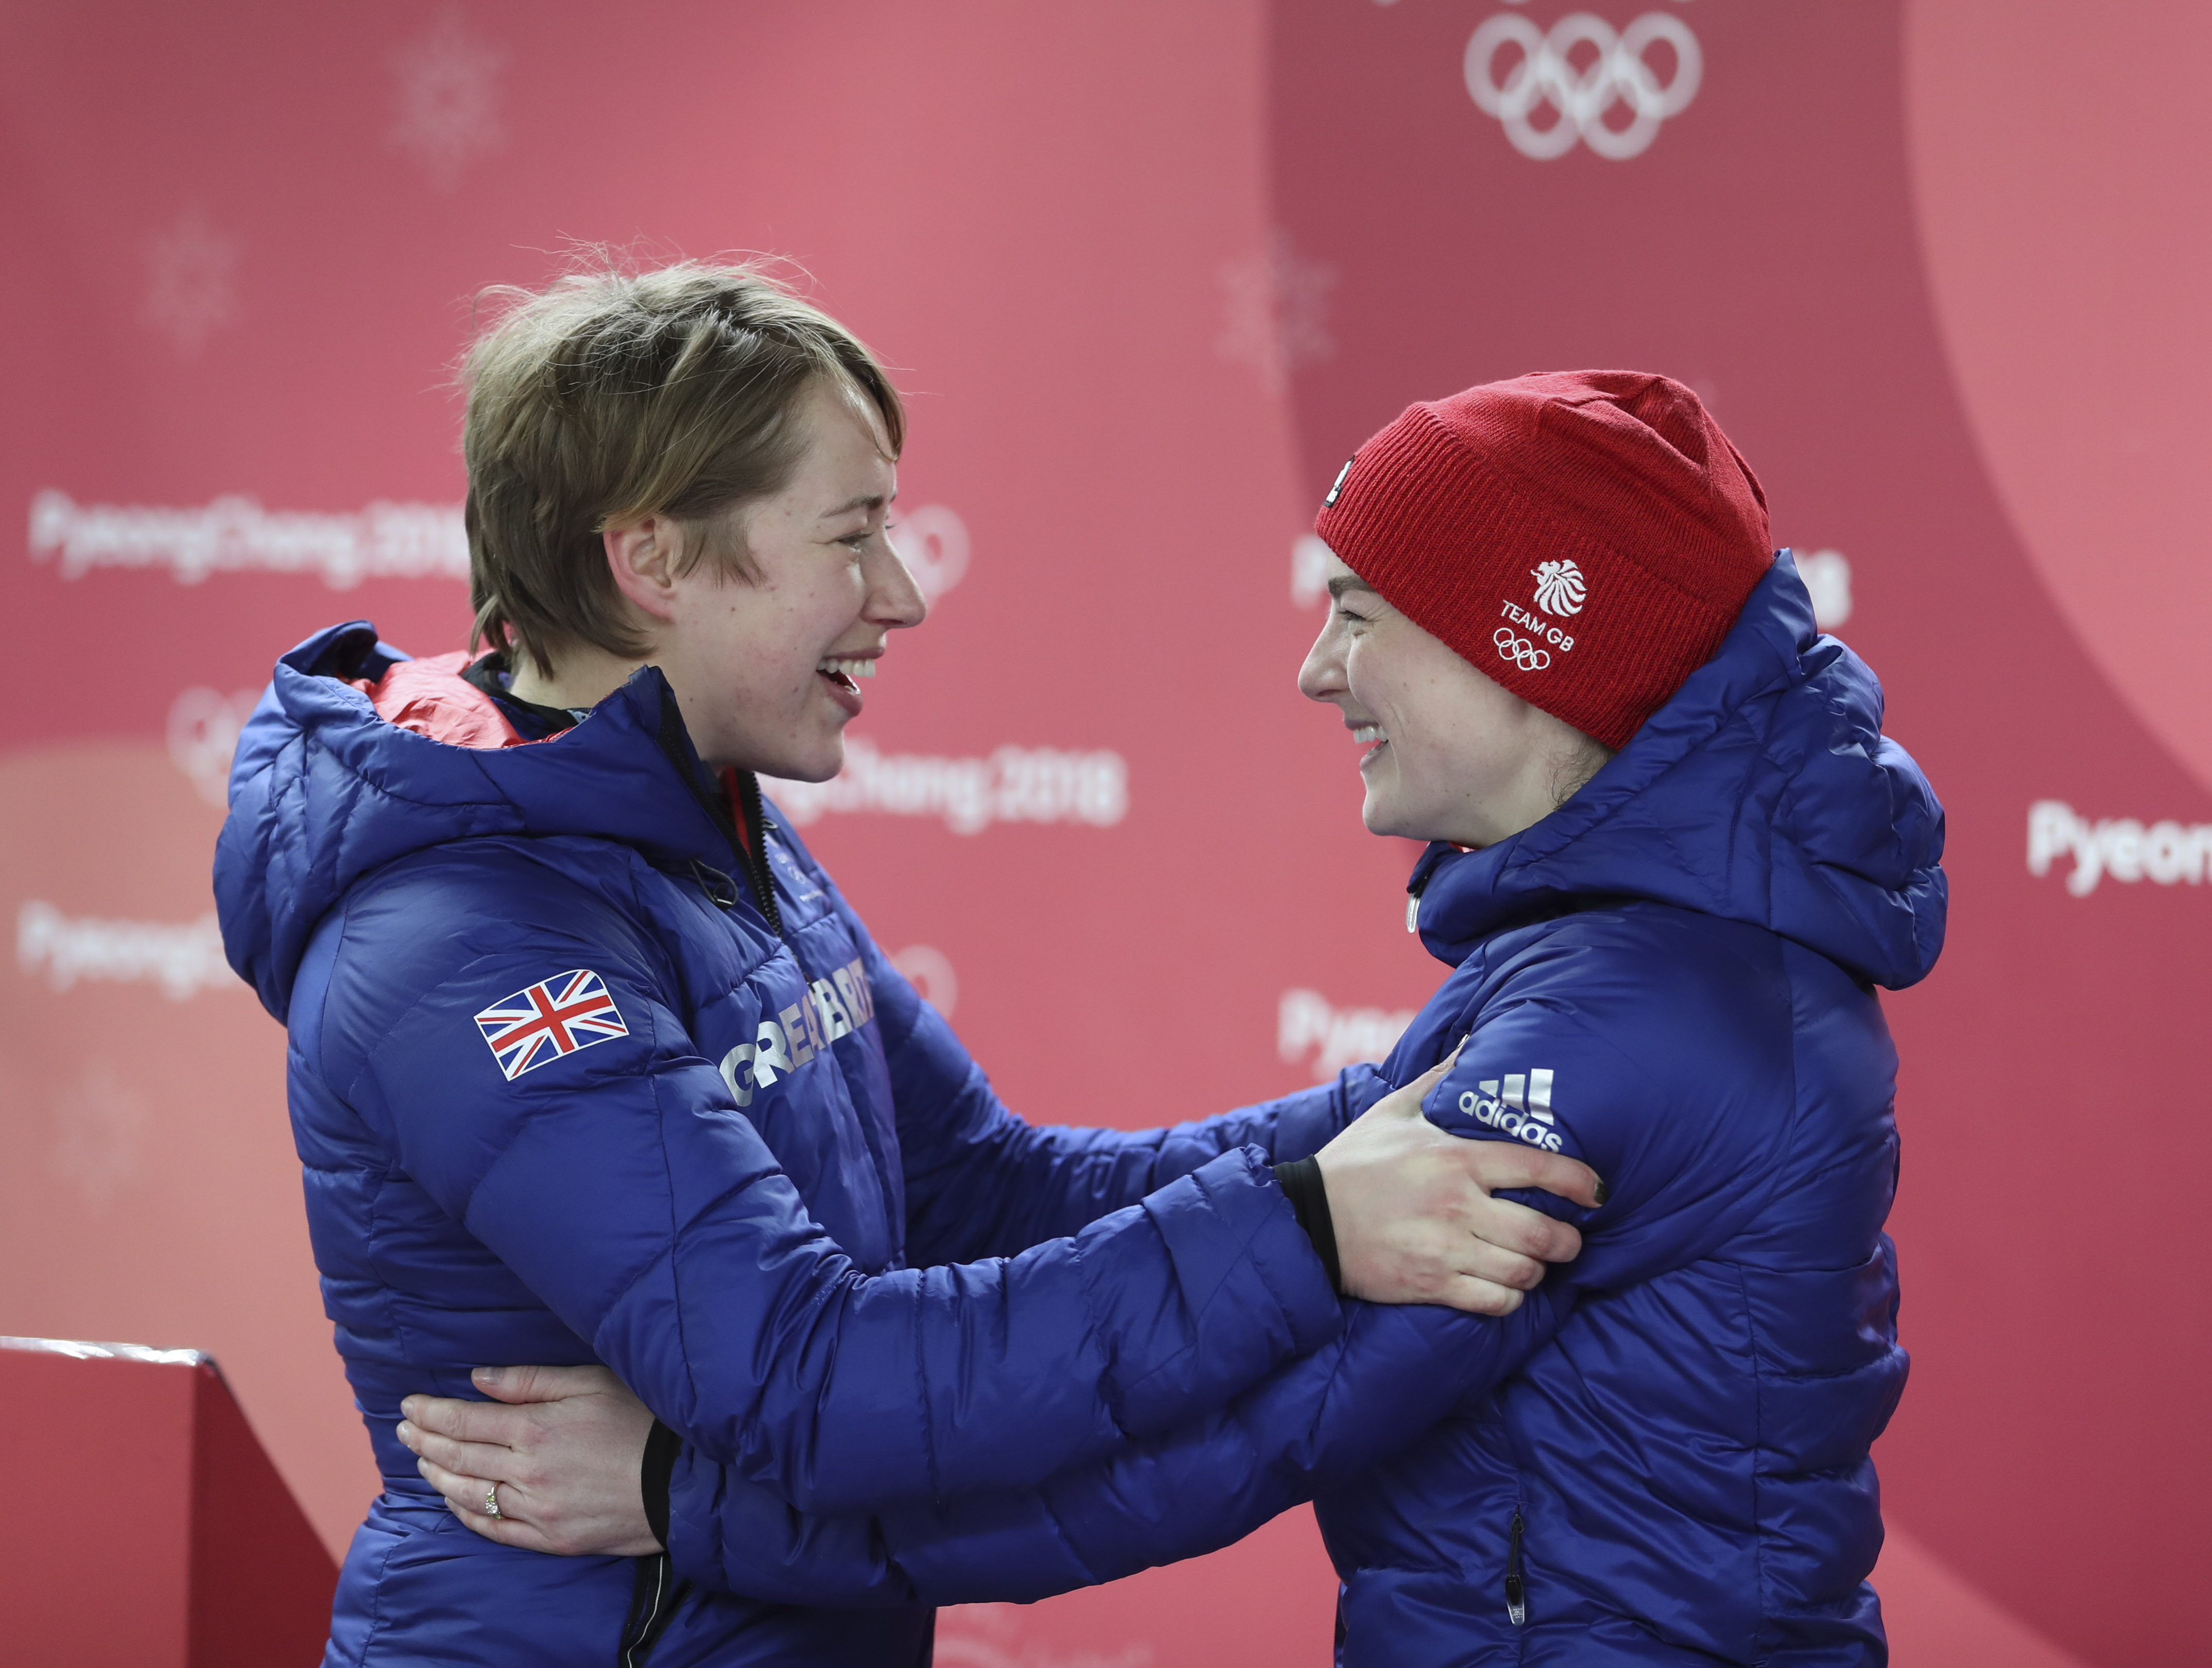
1150, 271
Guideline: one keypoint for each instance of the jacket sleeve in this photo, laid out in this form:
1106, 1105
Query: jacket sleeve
982, 1182
1677, 1090
1318, 1423
622, 1186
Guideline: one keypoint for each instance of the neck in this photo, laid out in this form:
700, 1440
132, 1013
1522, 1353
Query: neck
583, 676
1547, 780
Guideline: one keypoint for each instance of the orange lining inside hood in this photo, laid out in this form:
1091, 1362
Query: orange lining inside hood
431, 698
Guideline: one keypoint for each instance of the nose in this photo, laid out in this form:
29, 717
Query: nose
894, 599
1321, 675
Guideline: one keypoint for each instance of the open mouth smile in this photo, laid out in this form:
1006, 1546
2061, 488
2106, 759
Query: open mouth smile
843, 674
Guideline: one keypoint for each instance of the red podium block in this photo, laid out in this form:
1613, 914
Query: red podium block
141, 1523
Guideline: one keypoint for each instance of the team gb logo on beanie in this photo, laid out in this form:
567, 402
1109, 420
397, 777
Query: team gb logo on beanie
1559, 587
1493, 519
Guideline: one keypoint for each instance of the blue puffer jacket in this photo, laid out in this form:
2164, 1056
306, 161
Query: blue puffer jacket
1663, 1457
563, 1092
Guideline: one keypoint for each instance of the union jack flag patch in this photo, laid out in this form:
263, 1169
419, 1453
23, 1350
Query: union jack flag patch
568, 1011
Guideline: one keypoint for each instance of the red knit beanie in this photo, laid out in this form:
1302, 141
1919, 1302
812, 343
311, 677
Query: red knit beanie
1585, 538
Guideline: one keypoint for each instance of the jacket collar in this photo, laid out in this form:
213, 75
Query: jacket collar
627, 773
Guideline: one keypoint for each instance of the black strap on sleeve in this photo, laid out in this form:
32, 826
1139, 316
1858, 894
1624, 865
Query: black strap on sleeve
1300, 1182
661, 1448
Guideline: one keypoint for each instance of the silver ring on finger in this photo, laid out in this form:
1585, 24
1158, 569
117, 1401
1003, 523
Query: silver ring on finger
491, 1502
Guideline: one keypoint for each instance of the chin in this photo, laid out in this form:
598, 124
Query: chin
815, 760
813, 768
1383, 816
818, 762
1375, 814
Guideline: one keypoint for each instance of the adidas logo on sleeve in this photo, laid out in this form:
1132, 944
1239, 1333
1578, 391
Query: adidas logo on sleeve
1519, 1104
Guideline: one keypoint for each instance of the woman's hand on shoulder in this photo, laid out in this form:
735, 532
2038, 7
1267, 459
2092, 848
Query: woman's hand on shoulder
1414, 1220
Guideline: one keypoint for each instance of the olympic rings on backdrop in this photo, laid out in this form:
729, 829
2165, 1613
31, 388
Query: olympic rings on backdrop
1545, 75
1520, 650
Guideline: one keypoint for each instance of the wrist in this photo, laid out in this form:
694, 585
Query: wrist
662, 1446
1301, 1183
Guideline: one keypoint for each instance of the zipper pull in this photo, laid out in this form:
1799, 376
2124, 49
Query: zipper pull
1417, 881
721, 889
1515, 1589
1413, 891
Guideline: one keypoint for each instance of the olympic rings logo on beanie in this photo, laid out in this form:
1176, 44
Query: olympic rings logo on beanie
1519, 650
1586, 538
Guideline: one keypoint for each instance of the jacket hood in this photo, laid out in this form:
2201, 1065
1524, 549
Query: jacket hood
325, 789
1764, 792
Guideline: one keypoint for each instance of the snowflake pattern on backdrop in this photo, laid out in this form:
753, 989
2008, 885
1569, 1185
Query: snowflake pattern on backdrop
191, 290
203, 730
98, 1122
446, 105
1276, 312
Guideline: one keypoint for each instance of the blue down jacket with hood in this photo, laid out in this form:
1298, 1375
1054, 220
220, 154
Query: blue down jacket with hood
1663, 1457
564, 1091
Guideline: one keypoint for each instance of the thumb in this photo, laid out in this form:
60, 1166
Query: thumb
536, 1383
1419, 1088
1404, 1102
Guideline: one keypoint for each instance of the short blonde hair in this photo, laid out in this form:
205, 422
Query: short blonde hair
610, 396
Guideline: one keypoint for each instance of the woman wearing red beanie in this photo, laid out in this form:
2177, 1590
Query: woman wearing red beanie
1671, 857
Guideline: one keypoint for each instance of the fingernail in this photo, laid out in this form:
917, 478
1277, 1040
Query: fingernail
488, 1374
1604, 1193
409, 1406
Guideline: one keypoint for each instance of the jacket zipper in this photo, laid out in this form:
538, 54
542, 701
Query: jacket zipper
1413, 903
752, 858
653, 1600
1517, 1589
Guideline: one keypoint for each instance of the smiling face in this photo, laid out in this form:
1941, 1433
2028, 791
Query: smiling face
768, 673
1450, 755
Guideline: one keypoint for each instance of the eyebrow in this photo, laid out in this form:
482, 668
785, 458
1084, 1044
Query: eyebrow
1344, 582
869, 501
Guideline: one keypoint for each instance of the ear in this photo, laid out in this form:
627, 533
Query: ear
643, 557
